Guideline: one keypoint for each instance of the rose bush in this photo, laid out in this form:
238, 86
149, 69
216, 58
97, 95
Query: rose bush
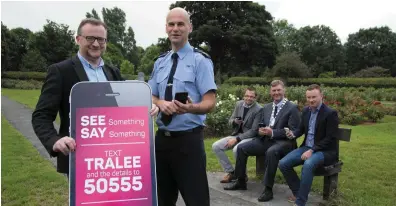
354, 105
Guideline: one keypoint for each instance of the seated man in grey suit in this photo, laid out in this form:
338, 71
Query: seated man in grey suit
271, 139
242, 120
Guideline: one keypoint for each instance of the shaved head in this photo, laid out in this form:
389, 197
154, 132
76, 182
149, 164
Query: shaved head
178, 11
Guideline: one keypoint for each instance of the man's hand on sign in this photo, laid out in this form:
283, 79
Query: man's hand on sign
166, 107
183, 108
154, 110
65, 145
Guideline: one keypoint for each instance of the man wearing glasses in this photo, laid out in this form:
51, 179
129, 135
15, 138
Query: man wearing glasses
87, 65
241, 120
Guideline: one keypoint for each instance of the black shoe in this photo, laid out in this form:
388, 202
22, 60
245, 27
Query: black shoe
238, 185
235, 179
266, 196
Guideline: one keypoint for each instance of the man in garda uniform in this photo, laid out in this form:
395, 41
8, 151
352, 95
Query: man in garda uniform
180, 153
242, 121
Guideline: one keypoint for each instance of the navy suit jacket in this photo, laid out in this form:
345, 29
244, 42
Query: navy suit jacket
326, 128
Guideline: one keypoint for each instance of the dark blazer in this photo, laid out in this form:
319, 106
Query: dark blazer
54, 98
247, 131
288, 116
326, 128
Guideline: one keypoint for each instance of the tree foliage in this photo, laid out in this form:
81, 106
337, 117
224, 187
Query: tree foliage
16, 44
32, 61
113, 55
238, 34
320, 48
284, 32
55, 43
148, 59
127, 67
5, 48
289, 65
371, 47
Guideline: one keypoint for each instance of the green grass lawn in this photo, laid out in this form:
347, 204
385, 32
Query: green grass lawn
368, 176
27, 178
26, 97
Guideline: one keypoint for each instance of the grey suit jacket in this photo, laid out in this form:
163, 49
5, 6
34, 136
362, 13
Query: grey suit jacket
288, 116
249, 119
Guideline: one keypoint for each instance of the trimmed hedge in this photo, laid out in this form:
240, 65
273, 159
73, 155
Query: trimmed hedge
133, 77
386, 82
40, 76
21, 84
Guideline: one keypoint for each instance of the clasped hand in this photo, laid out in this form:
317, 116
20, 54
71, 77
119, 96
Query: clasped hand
265, 131
307, 154
174, 106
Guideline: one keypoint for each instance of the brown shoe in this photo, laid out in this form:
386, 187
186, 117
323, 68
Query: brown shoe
228, 178
291, 199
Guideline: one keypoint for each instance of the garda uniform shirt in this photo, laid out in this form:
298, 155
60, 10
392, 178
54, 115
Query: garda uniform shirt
194, 74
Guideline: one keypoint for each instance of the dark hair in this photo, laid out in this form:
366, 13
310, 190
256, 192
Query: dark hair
92, 21
250, 88
313, 87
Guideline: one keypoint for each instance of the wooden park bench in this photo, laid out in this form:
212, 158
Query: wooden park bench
329, 172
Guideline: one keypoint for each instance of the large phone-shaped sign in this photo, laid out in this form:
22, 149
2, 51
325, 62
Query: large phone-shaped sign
114, 161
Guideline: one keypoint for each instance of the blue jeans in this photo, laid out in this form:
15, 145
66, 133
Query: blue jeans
301, 188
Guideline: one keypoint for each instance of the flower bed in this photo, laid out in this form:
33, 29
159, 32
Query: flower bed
354, 105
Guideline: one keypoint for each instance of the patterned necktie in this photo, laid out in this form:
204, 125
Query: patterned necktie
166, 119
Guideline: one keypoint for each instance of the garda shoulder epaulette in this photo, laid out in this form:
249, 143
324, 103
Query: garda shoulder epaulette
202, 52
161, 55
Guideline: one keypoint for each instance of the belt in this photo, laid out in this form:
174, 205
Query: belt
179, 133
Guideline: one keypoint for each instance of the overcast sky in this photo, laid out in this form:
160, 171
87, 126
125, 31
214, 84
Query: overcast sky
147, 18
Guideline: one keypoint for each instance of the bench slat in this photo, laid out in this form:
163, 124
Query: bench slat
329, 170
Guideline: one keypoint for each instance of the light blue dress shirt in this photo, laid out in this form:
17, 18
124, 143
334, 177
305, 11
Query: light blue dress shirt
94, 74
311, 127
194, 74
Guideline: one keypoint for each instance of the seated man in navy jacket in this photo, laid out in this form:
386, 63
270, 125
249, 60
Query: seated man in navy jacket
319, 123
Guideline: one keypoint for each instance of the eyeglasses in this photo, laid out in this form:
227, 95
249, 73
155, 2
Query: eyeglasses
91, 39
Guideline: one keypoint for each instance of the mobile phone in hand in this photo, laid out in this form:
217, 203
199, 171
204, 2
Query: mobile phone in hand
261, 125
181, 97
287, 130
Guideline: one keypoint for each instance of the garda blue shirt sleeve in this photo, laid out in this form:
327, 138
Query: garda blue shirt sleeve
205, 75
152, 82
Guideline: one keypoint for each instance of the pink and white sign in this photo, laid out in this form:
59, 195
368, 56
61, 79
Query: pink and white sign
113, 156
